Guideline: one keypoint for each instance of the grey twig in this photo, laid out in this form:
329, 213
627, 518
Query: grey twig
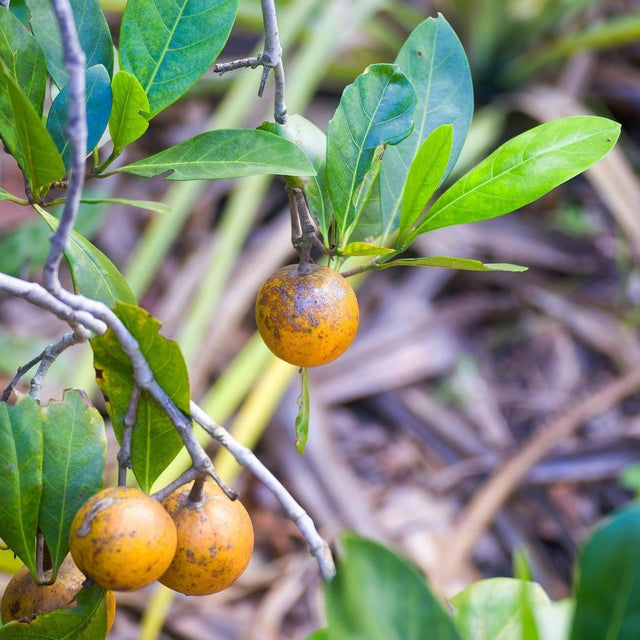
74, 61
124, 454
243, 63
46, 358
245, 457
270, 58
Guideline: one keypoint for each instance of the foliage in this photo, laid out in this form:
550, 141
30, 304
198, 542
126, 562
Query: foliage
373, 183
378, 594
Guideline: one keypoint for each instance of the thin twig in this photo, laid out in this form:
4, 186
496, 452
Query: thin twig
129, 421
76, 130
245, 457
243, 63
489, 498
270, 58
46, 358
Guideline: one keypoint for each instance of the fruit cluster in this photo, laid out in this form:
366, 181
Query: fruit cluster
197, 541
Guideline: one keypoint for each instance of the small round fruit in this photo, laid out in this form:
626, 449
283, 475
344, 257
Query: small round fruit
215, 541
307, 319
24, 599
122, 539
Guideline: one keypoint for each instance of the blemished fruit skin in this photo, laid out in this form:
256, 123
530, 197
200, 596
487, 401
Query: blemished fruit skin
122, 539
215, 541
307, 319
24, 599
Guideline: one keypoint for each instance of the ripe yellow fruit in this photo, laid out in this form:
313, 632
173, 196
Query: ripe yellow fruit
122, 539
307, 319
24, 599
215, 541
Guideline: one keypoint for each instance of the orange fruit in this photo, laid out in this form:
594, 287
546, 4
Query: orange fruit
24, 599
307, 319
122, 539
215, 541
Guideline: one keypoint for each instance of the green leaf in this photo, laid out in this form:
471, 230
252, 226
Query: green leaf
24, 58
128, 120
435, 63
608, 586
225, 153
75, 446
363, 249
93, 274
98, 99
376, 109
155, 441
86, 621
313, 143
554, 620
5, 195
302, 419
21, 451
446, 262
494, 608
147, 205
425, 176
523, 169
321, 634
93, 32
169, 45
32, 147
377, 595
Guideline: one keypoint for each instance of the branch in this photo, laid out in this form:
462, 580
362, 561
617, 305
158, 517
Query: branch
270, 58
245, 457
46, 358
76, 130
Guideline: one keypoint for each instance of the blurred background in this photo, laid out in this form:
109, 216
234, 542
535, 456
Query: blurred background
476, 413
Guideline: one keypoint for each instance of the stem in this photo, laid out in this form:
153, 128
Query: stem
74, 61
124, 454
245, 457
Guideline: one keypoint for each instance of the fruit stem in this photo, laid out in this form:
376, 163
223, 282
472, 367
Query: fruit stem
196, 495
304, 232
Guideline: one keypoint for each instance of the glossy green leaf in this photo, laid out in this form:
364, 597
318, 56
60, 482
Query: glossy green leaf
376, 109
363, 249
313, 143
425, 175
435, 63
86, 621
494, 608
24, 58
608, 587
523, 169
98, 108
32, 147
155, 441
378, 595
21, 451
446, 262
75, 447
93, 274
225, 153
128, 120
302, 419
169, 45
93, 32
